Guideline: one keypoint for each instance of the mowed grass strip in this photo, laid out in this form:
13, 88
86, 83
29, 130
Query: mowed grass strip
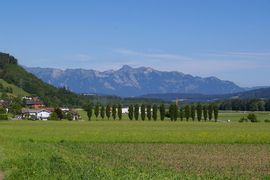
136, 132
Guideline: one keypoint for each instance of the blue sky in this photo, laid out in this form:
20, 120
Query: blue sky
229, 39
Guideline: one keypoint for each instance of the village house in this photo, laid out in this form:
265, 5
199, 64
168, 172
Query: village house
33, 102
36, 114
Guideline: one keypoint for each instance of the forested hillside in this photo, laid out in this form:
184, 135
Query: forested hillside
14, 74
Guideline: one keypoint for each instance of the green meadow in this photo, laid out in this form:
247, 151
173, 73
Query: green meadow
113, 149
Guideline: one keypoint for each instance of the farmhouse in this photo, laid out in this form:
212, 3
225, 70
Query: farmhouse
36, 114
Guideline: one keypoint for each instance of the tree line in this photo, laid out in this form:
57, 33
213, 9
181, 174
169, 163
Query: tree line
153, 112
245, 105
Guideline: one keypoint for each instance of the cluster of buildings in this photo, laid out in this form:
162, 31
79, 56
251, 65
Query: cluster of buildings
35, 109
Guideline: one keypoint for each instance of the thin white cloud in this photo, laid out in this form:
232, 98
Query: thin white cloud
203, 64
83, 57
151, 54
241, 54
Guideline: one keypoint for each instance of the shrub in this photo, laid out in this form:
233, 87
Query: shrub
243, 119
53, 116
252, 117
267, 120
32, 117
3, 117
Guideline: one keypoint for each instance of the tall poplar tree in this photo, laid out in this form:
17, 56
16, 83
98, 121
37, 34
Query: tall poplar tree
181, 114
148, 112
216, 113
143, 112
155, 109
199, 112
171, 112
130, 112
119, 111
102, 112
114, 112
187, 112
97, 110
192, 112
210, 112
175, 112
89, 110
108, 111
136, 111
205, 113
162, 112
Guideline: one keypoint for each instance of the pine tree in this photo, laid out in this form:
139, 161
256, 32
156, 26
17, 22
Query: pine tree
130, 112
162, 112
119, 111
216, 113
136, 111
192, 112
199, 112
148, 112
187, 112
143, 112
114, 112
155, 109
102, 112
108, 111
97, 110
205, 113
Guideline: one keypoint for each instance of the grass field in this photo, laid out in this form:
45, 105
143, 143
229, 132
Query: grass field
134, 150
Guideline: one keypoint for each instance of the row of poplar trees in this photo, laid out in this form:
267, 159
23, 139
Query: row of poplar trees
174, 112
193, 112
102, 111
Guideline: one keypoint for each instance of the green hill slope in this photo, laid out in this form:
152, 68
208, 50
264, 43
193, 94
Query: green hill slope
16, 91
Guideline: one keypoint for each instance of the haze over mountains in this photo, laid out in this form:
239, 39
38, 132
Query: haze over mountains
128, 81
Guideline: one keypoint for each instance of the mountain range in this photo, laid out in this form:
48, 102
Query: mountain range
128, 81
